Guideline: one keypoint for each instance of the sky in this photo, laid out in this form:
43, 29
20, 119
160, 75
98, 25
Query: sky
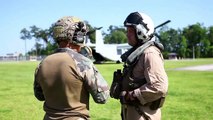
18, 14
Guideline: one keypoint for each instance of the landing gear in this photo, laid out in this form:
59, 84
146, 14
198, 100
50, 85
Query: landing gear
118, 62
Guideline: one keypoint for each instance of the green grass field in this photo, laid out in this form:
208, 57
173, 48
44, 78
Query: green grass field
190, 95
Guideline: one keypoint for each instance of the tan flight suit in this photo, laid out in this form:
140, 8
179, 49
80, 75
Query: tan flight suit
64, 80
151, 67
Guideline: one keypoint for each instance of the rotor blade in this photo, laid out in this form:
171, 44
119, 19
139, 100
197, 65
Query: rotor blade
98, 28
92, 31
162, 24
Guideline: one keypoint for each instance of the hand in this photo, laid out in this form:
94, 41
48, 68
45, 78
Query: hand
128, 95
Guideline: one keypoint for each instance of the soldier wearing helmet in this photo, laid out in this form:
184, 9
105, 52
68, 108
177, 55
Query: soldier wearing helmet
143, 82
65, 79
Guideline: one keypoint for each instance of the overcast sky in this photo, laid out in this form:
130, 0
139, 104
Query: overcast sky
19, 14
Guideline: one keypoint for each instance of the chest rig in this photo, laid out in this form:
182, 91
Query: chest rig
123, 80
130, 59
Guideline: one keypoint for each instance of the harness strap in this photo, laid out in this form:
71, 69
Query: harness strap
135, 54
141, 112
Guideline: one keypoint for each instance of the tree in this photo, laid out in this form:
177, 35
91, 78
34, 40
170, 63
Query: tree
25, 34
194, 35
183, 47
173, 40
116, 35
91, 32
210, 38
205, 47
39, 34
210, 35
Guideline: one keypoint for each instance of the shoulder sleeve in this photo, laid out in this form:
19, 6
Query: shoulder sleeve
38, 93
96, 84
156, 77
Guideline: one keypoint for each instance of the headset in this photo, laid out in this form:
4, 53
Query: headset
80, 33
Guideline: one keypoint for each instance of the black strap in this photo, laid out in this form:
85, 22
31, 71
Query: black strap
141, 112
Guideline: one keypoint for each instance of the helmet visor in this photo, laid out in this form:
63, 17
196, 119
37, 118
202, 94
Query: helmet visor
133, 19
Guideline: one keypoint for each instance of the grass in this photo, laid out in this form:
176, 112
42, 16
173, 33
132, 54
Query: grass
189, 98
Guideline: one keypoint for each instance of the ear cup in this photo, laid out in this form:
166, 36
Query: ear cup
79, 34
141, 32
78, 37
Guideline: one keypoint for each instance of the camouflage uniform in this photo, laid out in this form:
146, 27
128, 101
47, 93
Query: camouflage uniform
149, 69
64, 80
87, 52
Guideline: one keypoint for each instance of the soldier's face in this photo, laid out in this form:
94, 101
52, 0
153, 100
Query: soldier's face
131, 36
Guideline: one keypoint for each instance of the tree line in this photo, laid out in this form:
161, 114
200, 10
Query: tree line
192, 41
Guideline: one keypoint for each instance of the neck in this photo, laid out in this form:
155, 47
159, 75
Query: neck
66, 44
75, 47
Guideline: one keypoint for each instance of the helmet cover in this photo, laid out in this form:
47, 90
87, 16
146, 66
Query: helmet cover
69, 28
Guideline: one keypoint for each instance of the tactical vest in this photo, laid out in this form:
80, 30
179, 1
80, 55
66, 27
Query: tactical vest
130, 59
125, 81
129, 83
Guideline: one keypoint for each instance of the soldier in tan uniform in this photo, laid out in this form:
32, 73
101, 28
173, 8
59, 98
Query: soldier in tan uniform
65, 79
143, 83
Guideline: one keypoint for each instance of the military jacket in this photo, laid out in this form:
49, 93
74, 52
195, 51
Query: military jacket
64, 81
149, 67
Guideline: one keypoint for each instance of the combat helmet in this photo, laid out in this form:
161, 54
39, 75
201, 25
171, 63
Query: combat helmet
71, 29
143, 25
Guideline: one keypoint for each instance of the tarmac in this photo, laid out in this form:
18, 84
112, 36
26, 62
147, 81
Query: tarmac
198, 68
